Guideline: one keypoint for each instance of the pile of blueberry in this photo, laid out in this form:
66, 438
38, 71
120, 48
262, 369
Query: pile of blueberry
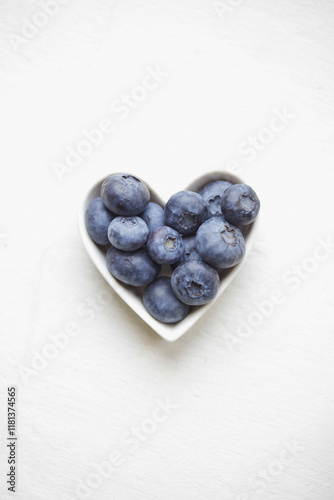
197, 235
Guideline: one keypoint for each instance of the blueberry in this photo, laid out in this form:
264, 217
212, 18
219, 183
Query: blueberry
195, 282
165, 245
98, 218
240, 204
185, 211
153, 215
190, 251
219, 243
133, 268
125, 194
212, 195
127, 233
161, 302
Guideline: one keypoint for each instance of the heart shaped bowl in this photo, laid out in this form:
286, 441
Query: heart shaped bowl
132, 295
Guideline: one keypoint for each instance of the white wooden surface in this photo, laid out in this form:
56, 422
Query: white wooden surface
252, 407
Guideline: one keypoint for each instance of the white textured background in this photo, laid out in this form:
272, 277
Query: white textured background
253, 412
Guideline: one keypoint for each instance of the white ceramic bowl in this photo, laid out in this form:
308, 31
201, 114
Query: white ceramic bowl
131, 295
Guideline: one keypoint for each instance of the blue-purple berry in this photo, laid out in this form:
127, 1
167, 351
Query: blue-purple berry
185, 211
153, 215
132, 268
212, 195
161, 302
195, 283
240, 204
98, 219
219, 243
127, 233
165, 245
125, 194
